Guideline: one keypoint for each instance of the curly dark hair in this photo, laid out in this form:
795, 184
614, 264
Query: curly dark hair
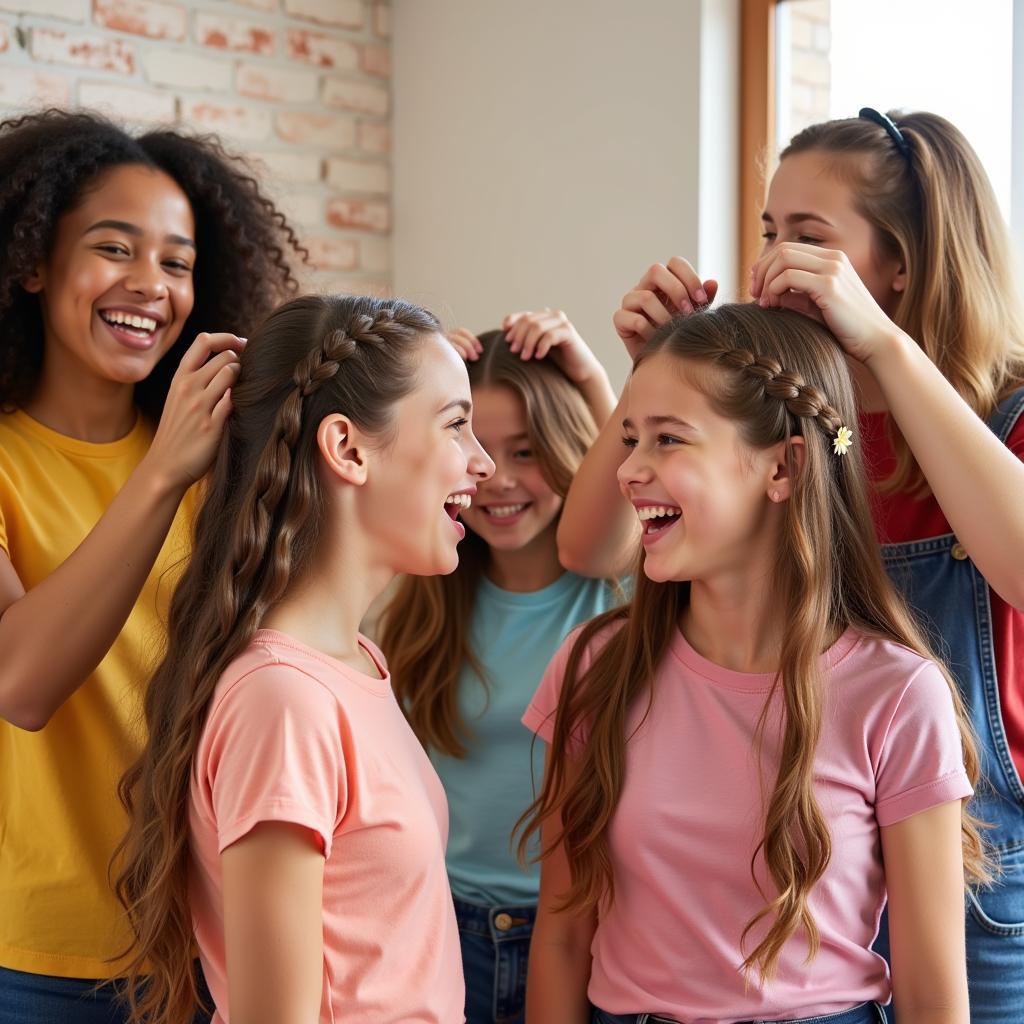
49, 159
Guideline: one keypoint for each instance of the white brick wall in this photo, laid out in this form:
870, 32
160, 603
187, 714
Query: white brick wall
301, 87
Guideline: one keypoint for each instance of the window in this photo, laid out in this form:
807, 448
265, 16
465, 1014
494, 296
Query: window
820, 59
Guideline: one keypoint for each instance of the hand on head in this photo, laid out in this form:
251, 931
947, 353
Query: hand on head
665, 291
822, 284
537, 334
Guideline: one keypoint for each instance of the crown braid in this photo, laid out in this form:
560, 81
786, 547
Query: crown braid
801, 400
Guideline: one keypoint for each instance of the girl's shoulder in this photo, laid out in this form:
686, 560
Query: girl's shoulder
877, 679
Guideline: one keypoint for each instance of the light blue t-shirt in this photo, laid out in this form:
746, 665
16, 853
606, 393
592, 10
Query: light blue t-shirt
514, 635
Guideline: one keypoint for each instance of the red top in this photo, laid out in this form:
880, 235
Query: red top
902, 518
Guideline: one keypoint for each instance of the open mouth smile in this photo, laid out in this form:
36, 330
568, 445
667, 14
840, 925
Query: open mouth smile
499, 513
657, 520
135, 330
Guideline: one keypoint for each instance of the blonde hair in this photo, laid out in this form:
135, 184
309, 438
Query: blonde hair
425, 629
778, 375
934, 210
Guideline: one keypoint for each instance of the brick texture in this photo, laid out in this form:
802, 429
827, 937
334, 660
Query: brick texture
809, 66
86, 51
300, 88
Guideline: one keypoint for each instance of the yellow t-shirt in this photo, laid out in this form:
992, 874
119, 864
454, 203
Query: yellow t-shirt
60, 818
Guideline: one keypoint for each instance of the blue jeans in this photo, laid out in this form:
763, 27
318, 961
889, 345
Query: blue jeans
866, 1013
950, 598
495, 952
42, 999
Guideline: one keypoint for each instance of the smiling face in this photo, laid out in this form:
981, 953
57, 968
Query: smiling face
700, 492
419, 483
516, 507
809, 202
116, 287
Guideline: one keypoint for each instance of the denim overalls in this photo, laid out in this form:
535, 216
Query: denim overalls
951, 599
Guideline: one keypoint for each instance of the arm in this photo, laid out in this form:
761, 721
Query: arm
976, 480
273, 925
924, 874
599, 534
53, 636
559, 971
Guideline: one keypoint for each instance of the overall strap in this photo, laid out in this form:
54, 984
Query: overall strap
1005, 415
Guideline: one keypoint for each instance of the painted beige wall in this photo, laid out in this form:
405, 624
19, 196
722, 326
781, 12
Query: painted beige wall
547, 151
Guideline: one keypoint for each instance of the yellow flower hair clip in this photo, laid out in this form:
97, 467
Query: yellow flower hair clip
842, 441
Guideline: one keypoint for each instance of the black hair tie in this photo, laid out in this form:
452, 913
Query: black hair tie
870, 114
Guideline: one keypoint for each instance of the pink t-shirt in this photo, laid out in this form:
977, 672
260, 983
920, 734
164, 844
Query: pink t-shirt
294, 735
690, 816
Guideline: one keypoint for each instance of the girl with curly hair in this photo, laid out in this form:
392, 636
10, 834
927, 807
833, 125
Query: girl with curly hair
115, 251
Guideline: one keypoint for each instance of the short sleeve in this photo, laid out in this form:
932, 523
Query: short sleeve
274, 753
921, 762
539, 716
540, 713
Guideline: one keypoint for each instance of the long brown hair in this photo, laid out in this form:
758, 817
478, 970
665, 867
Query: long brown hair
778, 375
425, 628
935, 211
255, 534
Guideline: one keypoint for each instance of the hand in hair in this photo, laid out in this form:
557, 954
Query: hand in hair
197, 407
665, 291
466, 343
822, 283
549, 332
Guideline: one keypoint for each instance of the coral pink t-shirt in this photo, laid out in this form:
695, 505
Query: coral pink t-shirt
690, 816
293, 735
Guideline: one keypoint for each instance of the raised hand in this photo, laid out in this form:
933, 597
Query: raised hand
665, 291
821, 283
197, 407
550, 333
465, 343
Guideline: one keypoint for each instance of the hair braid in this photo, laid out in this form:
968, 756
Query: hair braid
256, 533
828, 577
804, 401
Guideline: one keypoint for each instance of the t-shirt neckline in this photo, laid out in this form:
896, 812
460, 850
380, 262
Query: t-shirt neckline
76, 446
381, 683
751, 682
528, 598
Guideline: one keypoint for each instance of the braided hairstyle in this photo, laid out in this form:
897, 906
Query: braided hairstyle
48, 160
256, 534
777, 375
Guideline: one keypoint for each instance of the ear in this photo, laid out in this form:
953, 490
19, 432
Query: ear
780, 484
899, 281
34, 282
343, 449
